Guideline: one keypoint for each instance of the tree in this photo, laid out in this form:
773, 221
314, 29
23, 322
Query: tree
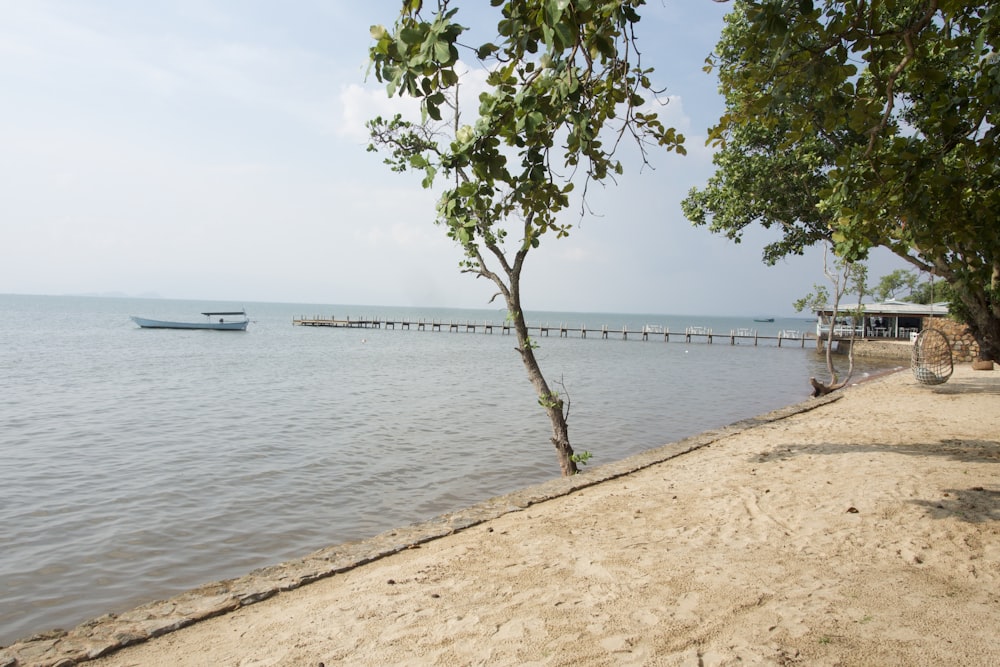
892, 284
931, 292
887, 116
565, 86
760, 180
844, 276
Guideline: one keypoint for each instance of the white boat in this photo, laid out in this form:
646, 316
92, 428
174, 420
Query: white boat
215, 320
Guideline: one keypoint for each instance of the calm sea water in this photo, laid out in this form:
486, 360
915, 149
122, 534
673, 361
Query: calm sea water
135, 464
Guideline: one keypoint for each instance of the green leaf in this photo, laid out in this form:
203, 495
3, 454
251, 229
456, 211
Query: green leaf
428, 179
533, 121
442, 52
411, 36
486, 50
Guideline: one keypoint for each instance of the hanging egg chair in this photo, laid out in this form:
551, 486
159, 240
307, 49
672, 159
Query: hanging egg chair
931, 358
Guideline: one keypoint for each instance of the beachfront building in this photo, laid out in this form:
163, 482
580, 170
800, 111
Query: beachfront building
897, 320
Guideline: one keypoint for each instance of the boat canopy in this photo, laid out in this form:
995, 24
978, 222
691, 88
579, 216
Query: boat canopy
228, 312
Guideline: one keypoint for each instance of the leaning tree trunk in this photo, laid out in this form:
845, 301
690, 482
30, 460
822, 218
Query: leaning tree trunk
510, 288
552, 403
819, 388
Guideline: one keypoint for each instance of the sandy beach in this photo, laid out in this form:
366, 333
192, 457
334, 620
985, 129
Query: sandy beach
865, 531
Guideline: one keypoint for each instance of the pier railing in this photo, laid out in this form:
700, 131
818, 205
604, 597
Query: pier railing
646, 332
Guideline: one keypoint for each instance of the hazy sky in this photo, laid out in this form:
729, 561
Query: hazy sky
215, 149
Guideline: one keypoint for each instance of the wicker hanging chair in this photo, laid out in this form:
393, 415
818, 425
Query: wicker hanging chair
931, 358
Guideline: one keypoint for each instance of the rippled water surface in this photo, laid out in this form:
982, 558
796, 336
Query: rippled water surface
135, 464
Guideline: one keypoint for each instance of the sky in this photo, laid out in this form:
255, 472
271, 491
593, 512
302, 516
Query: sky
215, 149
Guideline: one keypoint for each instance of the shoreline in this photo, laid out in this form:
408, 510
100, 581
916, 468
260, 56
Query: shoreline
157, 627
109, 632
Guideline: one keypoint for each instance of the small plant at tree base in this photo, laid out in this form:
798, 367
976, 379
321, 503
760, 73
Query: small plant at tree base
583, 458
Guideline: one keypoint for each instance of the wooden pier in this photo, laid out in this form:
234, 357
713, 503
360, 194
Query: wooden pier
648, 331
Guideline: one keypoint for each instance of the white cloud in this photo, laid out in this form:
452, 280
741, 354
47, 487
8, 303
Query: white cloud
359, 104
670, 110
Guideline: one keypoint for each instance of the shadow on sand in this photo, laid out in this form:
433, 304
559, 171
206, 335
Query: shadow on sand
975, 504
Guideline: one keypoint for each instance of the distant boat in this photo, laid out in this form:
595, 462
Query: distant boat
763, 319
220, 324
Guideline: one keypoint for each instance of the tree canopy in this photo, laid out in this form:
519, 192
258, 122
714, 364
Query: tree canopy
867, 124
564, 86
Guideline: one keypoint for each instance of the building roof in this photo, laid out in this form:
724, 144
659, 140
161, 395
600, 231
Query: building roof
892, 308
